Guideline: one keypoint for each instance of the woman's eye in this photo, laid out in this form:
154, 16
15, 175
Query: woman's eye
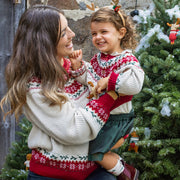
63, 34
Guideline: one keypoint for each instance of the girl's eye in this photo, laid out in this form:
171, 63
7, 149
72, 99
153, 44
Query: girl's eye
93, 34
104, 32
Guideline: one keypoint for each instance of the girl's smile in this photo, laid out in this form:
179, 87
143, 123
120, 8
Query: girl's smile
106, 37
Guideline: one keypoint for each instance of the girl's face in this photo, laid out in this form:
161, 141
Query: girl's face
105, 37
65, 45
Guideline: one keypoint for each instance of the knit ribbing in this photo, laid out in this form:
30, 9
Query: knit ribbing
121, 100
66, 170
105, 101
112, 81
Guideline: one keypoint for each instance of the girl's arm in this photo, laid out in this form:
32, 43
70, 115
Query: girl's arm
78, 67
76, 59
128, 77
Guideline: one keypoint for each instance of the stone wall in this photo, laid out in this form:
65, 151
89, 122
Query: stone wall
78, 18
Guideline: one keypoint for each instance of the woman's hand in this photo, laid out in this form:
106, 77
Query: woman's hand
113, 94
76, 59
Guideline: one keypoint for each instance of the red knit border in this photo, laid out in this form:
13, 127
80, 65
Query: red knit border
65, 170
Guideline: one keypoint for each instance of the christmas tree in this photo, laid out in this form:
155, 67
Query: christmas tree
14, 167
157, 107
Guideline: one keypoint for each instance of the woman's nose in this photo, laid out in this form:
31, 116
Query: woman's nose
71, 33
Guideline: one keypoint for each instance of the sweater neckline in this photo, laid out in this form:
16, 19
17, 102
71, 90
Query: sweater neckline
108, 60
116, 53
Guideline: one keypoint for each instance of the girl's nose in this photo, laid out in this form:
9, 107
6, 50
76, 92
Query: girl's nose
98, 36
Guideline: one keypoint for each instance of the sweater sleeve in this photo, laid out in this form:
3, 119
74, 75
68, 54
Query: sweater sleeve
78, 72
68, 125
128, 79
81, 74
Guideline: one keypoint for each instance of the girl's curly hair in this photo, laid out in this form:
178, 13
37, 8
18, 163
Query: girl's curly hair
106, 14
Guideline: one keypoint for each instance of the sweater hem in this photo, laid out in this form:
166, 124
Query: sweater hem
65, 170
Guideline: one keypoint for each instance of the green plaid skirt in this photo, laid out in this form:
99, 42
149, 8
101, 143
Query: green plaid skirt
115, 128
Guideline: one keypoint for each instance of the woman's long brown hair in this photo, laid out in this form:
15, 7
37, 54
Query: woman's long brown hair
34, 55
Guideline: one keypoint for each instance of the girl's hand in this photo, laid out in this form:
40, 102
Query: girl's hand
102, 84
76, 59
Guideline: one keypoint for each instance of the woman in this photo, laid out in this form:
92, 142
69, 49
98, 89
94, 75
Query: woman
35, 77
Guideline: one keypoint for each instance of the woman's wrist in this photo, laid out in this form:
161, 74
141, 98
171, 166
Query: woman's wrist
113, 94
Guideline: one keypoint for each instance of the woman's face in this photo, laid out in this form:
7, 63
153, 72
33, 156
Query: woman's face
65, 45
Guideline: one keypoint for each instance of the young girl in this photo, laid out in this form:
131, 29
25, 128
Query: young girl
113, 68
35, 78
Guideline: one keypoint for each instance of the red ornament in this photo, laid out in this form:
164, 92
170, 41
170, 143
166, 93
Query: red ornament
133, 142
174, 30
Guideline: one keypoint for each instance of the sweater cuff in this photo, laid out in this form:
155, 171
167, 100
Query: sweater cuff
78, 72
101, 107
112, 81
106, 101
